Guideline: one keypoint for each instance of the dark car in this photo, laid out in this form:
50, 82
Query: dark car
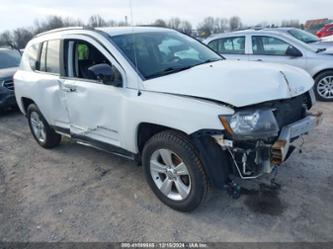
9, 62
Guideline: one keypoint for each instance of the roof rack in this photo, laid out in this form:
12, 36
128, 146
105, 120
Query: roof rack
64, 29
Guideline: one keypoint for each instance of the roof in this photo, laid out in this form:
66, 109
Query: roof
280, 29
112, 31
245, 32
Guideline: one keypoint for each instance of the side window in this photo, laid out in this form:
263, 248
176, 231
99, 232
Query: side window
81, 56
232, 45
213, 45
42, 61
32, 53
50, 57
266, 45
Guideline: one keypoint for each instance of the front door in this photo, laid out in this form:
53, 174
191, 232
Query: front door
93, 107
274, 50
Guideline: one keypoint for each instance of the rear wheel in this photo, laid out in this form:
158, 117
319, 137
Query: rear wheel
40, 129
174, 171
324, 86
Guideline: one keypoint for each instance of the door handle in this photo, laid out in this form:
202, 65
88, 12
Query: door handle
66, 87
259, 60
69, 88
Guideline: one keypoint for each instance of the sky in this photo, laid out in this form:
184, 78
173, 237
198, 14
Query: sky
23, 13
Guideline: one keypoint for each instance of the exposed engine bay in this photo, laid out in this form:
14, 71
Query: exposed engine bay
255, 156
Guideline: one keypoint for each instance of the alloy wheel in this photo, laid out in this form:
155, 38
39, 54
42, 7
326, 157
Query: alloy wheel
325, 87
38, 127
170, 174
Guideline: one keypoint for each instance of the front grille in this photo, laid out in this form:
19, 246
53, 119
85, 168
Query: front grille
288, 111
291, 110
9, 84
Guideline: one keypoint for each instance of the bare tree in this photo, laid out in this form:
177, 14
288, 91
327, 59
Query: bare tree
96, 21
206, 27
160, 23
185, 27
291, 23
174, 23
235, 23
221, 25
6, 39
111, 23
21, 37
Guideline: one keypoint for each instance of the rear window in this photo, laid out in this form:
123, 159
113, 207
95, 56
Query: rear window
9, 58
50, 57
32, 54
229, 45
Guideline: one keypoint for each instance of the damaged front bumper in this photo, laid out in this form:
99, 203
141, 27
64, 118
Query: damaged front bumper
290, 132
254, 158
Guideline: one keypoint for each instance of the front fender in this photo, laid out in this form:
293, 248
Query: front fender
185, 114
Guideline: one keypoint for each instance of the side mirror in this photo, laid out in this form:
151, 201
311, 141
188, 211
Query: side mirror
293, 52
104, 73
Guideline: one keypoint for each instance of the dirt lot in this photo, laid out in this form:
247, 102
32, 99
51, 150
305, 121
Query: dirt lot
76, 193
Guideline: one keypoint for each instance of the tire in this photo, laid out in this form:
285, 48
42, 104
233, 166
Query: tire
324, 81
46, 137
181, 166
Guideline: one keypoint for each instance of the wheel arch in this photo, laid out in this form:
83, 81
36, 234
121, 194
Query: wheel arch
215, 161
322, 71
147, 130
25, 104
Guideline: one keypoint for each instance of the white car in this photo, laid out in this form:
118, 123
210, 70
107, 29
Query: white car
164, 99
277, 47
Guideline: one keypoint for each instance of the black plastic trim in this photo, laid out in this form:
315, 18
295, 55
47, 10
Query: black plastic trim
98, 144
214, 159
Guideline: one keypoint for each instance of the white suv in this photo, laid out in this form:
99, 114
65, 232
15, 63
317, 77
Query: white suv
278, 47
166, 100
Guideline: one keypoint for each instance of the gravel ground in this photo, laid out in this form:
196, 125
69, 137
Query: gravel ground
76, 193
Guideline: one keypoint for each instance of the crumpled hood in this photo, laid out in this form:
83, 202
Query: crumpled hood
7, 72
236, 83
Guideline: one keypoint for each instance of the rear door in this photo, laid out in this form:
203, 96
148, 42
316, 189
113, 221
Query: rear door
267, 48
48, 95
232, 48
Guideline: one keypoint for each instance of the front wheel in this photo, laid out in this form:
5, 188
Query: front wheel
174, 171
324, 86
40, 129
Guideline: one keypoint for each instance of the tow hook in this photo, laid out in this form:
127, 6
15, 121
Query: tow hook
233, 189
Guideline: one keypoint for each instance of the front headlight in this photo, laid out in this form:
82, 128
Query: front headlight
251, 124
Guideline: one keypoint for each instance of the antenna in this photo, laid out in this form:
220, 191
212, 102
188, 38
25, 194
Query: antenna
134, 49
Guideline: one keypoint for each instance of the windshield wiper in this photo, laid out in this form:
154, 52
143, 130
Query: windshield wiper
319, 50
209, 61
167, 71
171, 70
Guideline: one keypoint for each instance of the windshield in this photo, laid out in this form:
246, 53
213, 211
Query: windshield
9, 58
161, 53
303, 36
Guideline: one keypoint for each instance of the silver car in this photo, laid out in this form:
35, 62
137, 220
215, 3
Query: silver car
305, 36
277, 47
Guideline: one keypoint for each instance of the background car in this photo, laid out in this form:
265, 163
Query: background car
9, 62
277, 47
326, 30
305, 36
